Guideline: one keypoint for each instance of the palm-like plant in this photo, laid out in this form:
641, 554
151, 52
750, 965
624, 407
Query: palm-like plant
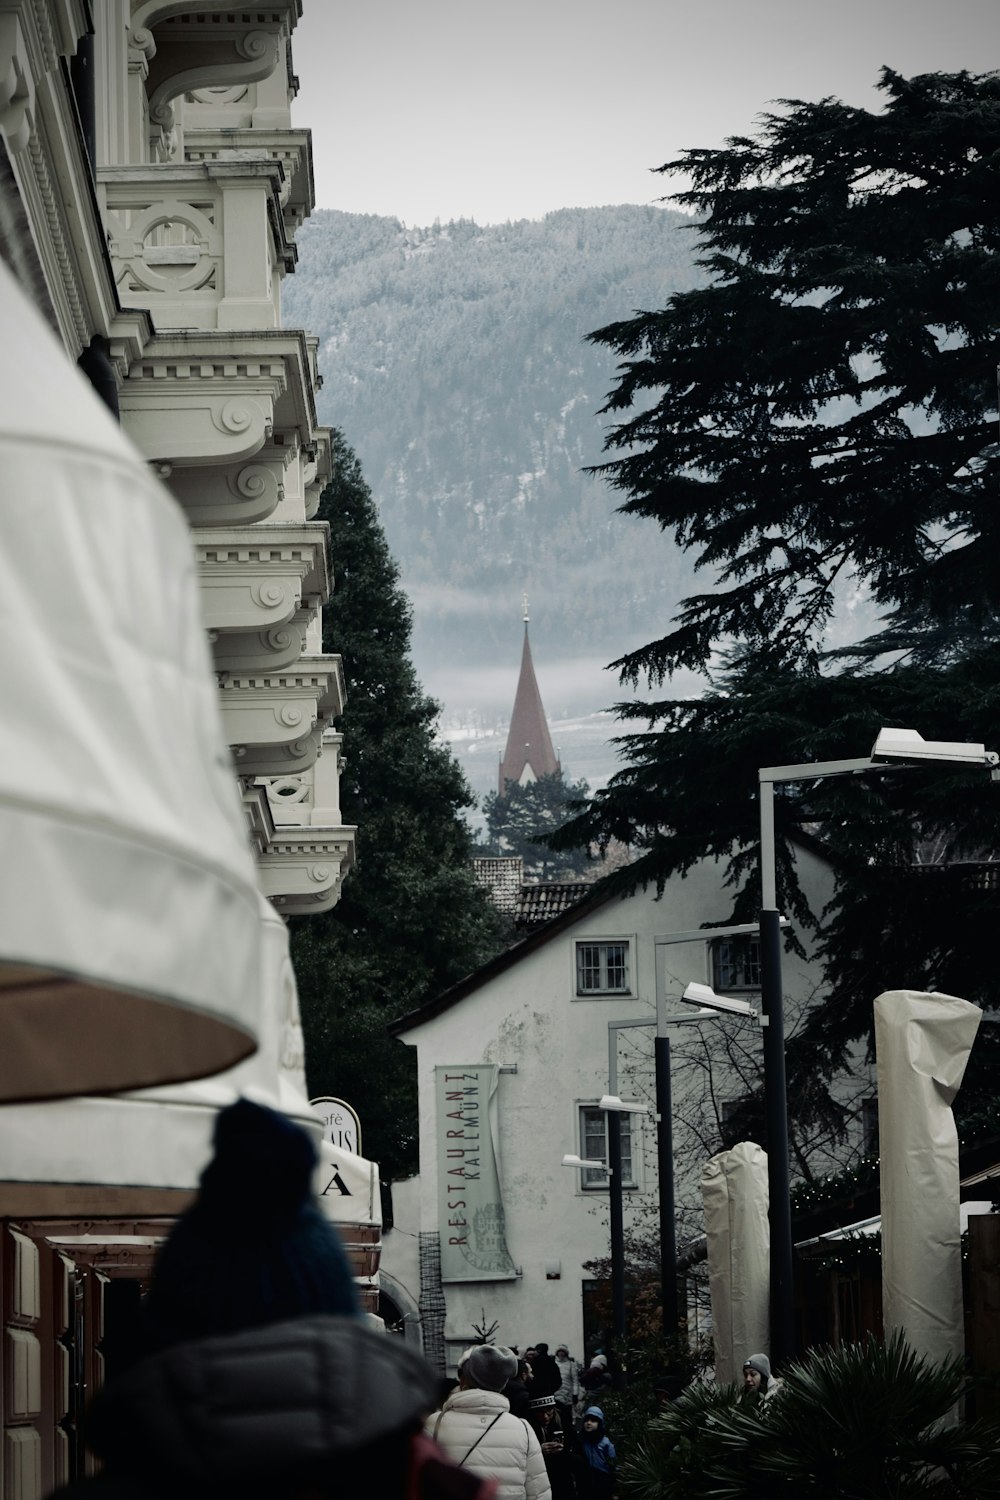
866, 1422
689, 1448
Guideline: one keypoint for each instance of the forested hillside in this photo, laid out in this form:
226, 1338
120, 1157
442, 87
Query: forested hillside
455, 362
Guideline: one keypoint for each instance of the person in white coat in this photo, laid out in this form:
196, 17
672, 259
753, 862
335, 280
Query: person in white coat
568, 1393
477, 1430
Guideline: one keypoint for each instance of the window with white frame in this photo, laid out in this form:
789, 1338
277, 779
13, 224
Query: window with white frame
603, 968
735, 964
594, 1147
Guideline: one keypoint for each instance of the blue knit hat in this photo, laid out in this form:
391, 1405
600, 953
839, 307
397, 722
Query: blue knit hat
254, 1247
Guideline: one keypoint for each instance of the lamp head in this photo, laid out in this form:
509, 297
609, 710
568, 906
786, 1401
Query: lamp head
908, 745
621, 1106
704, 996
581, 1161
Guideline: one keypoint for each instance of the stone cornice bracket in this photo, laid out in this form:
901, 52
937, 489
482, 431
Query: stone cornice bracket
291, 149
142, 47
219, 54
217, 397
254, 578
302, 869
264, 651
205, 431
145, 15
17, 86
130, 333
186, 405
237, 495
274, 720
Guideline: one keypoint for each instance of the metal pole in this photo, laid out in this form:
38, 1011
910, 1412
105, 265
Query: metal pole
775, 1094
615, 1207
665, 1169
779, 1209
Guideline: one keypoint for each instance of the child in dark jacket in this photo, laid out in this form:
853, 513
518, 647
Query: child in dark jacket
597, 1472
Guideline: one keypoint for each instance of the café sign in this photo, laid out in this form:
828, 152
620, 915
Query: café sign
341, 1126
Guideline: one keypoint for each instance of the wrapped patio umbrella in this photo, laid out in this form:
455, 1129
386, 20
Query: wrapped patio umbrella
922, 1046
129, 917
734, 1191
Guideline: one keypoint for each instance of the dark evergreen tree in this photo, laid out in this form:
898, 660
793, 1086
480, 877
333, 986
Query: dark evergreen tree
823, 417
826, 407
410, 920
518, 821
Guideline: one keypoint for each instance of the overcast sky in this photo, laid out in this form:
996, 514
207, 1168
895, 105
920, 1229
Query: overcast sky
431, 109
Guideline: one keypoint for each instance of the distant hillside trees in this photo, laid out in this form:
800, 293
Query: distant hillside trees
821, 419
455, 361
518, 821
410, 920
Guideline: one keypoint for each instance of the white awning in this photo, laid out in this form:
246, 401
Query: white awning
348, 1187
161, 1139
128, 918
872, 1226
126, 1154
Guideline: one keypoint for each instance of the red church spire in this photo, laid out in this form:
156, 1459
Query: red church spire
529, 754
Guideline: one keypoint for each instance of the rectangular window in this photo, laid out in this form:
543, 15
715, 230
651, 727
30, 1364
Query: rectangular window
594, 1147
743, 1119
735, 965
602, 969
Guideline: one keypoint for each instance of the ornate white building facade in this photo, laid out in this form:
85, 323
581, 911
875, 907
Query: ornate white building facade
151, 185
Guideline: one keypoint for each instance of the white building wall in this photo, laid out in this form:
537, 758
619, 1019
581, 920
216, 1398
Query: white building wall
552, 1049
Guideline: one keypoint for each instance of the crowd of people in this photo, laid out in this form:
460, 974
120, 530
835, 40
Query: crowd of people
527, 1421
254, 1373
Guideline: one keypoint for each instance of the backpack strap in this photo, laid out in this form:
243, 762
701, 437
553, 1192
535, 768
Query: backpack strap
461, 1461
479, 1439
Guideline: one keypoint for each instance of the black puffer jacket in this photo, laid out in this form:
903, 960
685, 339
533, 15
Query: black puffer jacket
317, 1405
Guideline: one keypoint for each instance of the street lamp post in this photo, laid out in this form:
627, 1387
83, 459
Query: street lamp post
665, 1178
616, 1220
614, 1108
892, 747
664, 1137
779, 1211
669, 1300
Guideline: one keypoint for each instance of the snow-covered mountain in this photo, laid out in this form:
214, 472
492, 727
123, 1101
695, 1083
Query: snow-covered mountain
455, 360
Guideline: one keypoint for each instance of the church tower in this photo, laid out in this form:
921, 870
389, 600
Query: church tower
529, 754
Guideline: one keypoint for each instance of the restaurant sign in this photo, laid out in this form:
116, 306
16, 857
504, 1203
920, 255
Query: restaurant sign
473, 1232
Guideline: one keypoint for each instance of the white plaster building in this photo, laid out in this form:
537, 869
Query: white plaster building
540, 1013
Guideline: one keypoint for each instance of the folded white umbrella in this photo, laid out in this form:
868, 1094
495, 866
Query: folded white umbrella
734, 1191
922, 1046
128, 895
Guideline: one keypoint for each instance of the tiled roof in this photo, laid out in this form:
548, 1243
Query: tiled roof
501, 876
537, 903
